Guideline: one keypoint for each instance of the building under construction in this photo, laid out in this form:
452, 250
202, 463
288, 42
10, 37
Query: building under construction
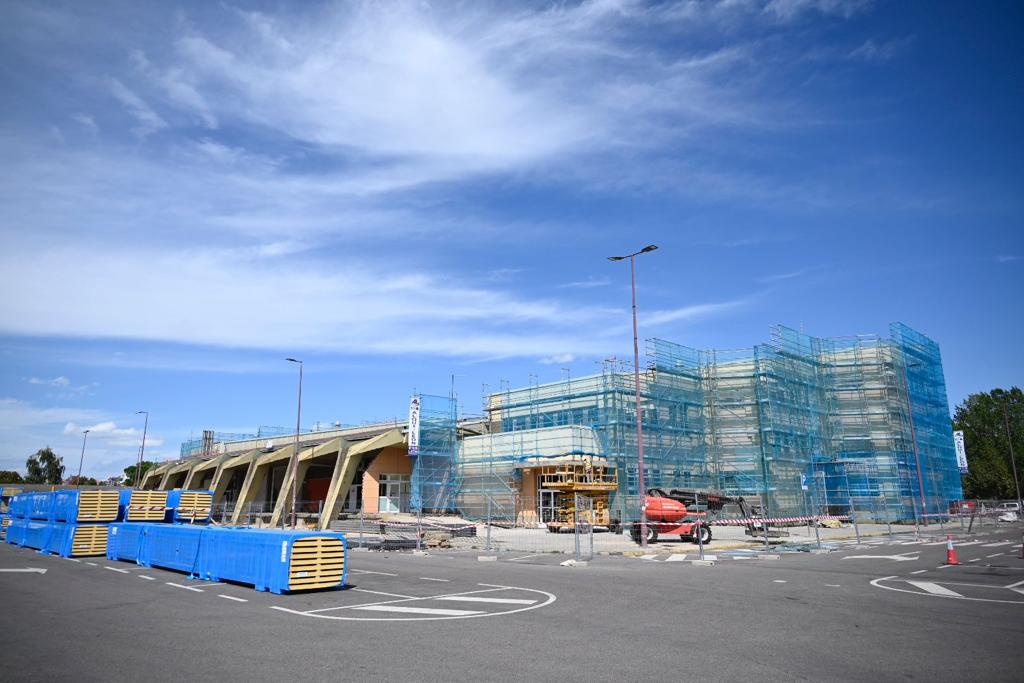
830, 425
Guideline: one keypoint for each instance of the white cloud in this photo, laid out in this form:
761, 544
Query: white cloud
589, 283
693, 312
1006, 258
148, 120
560, 358
55, 382
16, 414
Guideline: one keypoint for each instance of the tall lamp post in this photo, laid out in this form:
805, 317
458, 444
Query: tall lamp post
636, 382
142, 451
295, 453
1013, 460
78, 482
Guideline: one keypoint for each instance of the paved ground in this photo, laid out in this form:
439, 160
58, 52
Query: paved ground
885, 610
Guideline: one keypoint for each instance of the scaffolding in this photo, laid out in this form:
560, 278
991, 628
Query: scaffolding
435, 477
840, 426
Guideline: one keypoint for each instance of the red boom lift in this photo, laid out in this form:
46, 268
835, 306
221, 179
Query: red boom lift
667, 513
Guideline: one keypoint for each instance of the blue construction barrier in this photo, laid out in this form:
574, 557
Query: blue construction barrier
30, 533
269, 559
33, 505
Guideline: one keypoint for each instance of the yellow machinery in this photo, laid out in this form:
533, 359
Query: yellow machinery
582, 478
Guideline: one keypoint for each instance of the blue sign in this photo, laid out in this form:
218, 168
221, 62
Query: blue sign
803, 482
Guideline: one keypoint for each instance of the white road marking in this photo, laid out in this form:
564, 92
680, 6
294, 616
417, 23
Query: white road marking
71, 559
996, 545
778, 581
993, 555
188, 588
977, 559
525, 557
911, 542
93, 564
147, 578
499, 601
390, 595
115, 569
231, 597
367, 571
833, 585
648, 557
961, 545
937, 543
1013, 586
898, 558
675, 558
427, 578
935, 589
919, 571
419, 610
27, 570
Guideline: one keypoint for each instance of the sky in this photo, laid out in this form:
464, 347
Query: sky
415, 196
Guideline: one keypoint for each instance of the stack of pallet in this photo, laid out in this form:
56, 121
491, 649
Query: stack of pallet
269, 559
191, 506
69, 523
6, 493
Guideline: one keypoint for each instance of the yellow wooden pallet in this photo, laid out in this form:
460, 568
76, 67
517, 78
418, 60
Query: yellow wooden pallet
316, 562
89, 540
98, 506
195, 505
6, 522
147, 506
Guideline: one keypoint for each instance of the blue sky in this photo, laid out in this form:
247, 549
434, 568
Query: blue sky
402, 192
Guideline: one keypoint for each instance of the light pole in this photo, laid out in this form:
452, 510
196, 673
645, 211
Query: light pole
1013, 460
78, 482
142, 451
636, 382
295, 453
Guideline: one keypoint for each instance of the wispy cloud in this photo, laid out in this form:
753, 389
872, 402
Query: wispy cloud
148, 120
1006, 258
789, 275
55, 382
694, 312
589, 283
560, 358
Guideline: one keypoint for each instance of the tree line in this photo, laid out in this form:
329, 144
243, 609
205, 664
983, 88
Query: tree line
46, 467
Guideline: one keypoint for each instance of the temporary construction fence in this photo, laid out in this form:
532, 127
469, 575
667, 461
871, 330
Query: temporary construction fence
269, 559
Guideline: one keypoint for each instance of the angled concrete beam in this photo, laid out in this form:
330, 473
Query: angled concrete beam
345, 470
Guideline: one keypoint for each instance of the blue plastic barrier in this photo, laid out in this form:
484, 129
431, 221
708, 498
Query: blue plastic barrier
124, 541
30, 533
36, 505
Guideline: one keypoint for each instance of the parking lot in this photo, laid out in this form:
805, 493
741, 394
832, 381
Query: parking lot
889, 608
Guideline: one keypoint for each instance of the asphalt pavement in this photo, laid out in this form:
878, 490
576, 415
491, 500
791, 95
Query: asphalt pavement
885, 610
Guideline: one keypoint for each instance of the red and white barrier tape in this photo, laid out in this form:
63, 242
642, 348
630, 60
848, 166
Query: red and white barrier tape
775, 520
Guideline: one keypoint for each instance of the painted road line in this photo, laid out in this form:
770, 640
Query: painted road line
996, 545
231, 597
526, 557
937, 543
419, 610
912, 543
71, 559
1014, 586
778, 581
934, 589
367, 571
678, 557
833, 585
648, 557
427, 578
188, 588
115, 569
498, 601
898, 558
390, 595
962, 545
93, 564
27, 570
977, 559
993, 555
919, 571
147, 578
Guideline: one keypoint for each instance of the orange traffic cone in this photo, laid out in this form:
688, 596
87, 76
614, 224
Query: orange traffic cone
951, 557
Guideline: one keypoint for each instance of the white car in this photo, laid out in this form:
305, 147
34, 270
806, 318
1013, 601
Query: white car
1008, 512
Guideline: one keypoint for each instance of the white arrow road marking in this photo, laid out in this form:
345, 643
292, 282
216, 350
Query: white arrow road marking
27, 570
502, 601
898, 558
418, 610
1017, 587
935, 589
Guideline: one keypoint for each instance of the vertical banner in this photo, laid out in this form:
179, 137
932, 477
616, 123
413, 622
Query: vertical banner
961, 452
414, 426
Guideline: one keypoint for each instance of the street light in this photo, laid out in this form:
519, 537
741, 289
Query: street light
295, 453
85, 435
1013, 460
636, 382
142, 451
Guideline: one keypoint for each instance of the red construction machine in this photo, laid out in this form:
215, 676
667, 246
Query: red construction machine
683, 512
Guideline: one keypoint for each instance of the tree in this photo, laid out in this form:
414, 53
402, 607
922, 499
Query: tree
45, 467
984, 419
74, 480
129, 472
9, 477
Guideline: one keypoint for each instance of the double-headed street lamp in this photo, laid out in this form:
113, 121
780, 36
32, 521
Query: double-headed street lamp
295, 453
636, 382
78, 482
142, 451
